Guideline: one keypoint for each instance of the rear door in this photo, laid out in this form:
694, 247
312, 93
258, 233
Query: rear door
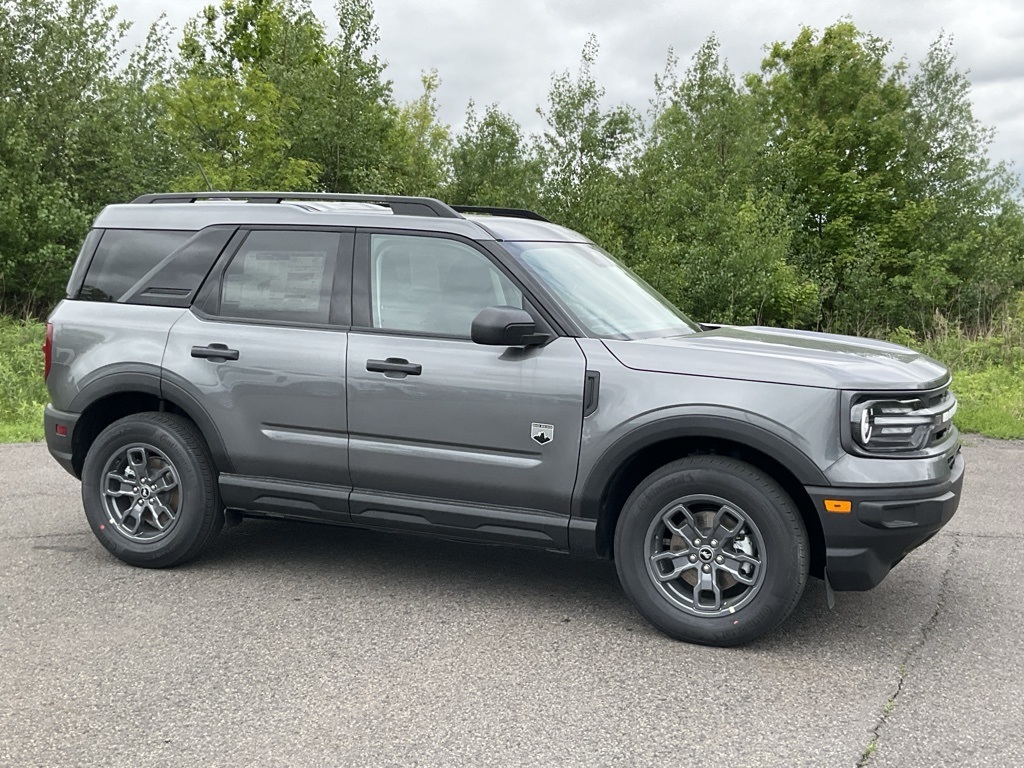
263, 352
449, 436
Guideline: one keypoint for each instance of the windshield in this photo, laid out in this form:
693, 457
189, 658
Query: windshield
605, 297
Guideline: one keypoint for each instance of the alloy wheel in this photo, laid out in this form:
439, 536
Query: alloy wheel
141, 493
705, 555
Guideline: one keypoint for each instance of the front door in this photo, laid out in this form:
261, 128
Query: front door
446, 435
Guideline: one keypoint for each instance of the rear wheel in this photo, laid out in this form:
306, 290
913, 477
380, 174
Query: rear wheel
711, 550
150, 490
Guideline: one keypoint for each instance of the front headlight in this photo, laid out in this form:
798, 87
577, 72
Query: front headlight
895, 426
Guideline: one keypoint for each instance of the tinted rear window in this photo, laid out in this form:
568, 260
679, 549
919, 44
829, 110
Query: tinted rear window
123, 257
174, 281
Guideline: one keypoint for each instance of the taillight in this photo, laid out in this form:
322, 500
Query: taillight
47, 350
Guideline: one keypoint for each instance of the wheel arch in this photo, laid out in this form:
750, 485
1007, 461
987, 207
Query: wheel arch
117, 395
622, 467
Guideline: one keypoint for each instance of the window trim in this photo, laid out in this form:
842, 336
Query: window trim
362, 298
207, 300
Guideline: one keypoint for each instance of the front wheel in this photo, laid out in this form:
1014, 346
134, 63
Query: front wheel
711, 550
150, 490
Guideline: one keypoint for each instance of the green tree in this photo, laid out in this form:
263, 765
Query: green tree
905, 219
332, 108
123, 152
714, 230
968, 218
419, 145
229, 128
225, 115
71, 133
587, 152
492, 163
344, 117
836, 110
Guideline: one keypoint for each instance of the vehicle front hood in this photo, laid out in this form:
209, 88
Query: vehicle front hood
779, 356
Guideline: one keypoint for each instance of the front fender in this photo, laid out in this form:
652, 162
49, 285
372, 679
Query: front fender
737, 426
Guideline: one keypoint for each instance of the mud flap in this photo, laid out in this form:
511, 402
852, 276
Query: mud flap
830, 596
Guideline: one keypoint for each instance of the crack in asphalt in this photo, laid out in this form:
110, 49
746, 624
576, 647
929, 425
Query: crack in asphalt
915, 647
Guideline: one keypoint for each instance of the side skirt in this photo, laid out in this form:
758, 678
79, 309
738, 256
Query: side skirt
266, 497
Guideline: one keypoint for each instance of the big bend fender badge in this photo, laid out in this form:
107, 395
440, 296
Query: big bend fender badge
542, 433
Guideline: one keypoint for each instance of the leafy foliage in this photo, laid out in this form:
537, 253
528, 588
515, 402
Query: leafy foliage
228, 127
60, 87
719, 229
421, 144
831, 189
492, 163
22, 392
586, 153
988, 370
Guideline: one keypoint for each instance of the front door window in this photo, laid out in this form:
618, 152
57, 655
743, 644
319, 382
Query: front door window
432, 285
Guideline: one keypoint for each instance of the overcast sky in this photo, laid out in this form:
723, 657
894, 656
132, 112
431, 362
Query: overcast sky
505, 51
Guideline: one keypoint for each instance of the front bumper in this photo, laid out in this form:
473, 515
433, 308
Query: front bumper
60, 445
883, 526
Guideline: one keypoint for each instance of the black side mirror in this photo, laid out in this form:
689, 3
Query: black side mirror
506, 327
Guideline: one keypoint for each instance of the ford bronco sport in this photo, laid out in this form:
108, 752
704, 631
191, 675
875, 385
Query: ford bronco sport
480, 374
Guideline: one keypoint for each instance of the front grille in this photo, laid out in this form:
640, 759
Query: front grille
944, 404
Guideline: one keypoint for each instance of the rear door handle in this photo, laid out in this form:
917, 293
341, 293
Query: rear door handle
215, 352
394, 365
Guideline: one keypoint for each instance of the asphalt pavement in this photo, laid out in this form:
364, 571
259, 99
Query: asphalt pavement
297, 644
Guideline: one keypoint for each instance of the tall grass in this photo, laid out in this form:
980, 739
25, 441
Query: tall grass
988, 371
22, 391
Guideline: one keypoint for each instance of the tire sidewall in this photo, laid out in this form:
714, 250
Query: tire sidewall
187, 528
770, 509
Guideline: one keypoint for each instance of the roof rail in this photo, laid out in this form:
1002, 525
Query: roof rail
399, 204
519, 213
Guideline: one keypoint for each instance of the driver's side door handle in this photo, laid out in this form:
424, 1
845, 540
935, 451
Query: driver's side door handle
394, 365
215, 352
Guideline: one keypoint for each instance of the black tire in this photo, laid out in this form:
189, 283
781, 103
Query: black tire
670, 510
175, 508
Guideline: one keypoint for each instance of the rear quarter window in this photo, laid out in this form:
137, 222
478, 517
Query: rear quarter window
123, 257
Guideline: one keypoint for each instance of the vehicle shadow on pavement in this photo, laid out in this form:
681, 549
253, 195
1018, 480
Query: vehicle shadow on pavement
336, 563
408, 567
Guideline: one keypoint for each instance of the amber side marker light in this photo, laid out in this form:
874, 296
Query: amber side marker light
838, 505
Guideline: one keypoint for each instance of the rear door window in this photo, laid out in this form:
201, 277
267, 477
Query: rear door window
286, 276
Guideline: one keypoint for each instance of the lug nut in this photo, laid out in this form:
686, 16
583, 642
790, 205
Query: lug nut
714, 542
693, 558
707, 569
719, 559
696, 542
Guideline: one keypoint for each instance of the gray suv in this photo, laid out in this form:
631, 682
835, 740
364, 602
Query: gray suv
480, 374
